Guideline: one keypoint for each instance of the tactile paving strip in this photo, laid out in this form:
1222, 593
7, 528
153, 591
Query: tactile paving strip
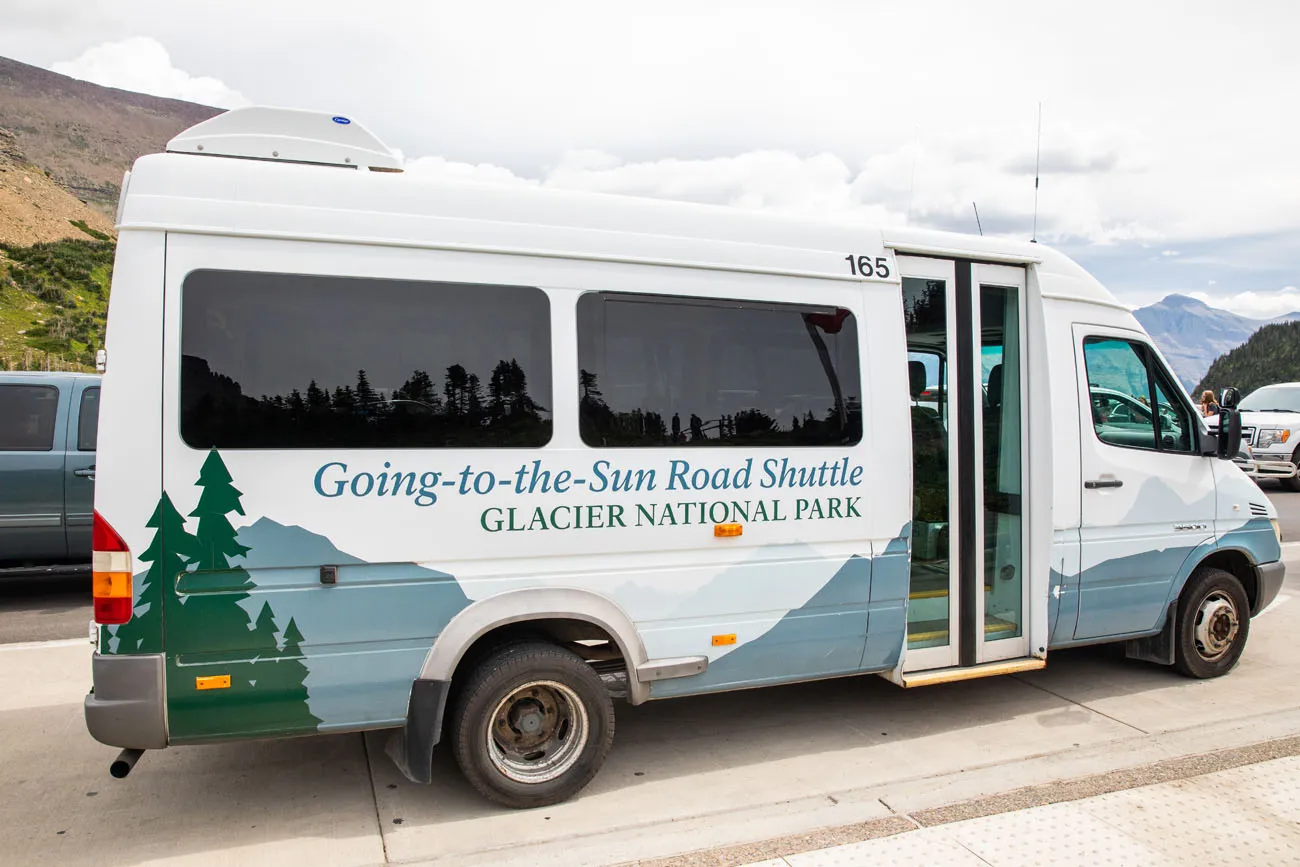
1246, 815
930, 847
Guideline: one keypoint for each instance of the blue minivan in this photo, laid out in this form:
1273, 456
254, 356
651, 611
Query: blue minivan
48, 428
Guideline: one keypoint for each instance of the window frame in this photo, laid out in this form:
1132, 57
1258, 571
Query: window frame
54, 423
669, 299
1155, 370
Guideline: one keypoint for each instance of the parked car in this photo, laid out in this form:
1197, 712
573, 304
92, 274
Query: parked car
1270, 425
48, 429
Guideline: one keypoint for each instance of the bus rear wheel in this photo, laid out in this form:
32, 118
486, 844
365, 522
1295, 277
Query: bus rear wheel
533, 725
1213, 624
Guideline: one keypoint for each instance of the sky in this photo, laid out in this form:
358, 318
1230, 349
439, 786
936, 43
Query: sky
1169, 155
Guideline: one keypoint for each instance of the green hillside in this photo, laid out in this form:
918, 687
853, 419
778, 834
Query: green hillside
1271, 355
53, 298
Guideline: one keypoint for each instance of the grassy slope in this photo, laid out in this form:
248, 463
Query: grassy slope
53, 299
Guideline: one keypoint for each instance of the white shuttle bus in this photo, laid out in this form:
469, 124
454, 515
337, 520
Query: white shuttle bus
469, 463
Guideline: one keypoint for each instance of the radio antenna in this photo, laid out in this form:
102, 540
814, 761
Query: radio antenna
977, 217
1038, 152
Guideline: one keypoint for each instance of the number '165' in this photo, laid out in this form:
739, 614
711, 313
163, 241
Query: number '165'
862, 266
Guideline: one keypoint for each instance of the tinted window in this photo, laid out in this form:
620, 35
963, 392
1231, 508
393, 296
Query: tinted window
663, 371
1124, 380
292, 361
88, 421
27, 414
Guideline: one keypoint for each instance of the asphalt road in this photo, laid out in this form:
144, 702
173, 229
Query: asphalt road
797, 762
42, 609
1288, 509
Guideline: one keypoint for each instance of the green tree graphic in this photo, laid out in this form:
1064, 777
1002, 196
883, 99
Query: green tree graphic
267, 695
216, 537
263, 638
170, 551
291, 674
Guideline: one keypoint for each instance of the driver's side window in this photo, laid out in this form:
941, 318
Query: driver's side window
1125, 379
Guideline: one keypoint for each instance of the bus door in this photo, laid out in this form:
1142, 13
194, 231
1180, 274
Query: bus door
966, 360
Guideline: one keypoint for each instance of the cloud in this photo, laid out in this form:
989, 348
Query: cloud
931, 185
483, 173
143, 65
1256, 305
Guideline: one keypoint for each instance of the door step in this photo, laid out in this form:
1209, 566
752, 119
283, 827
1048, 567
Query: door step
988, 669
937, 633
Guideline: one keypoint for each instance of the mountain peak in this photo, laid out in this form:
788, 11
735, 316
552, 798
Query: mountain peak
1184, 302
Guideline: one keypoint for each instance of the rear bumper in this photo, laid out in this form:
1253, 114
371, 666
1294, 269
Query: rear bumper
1271, 576
126, 706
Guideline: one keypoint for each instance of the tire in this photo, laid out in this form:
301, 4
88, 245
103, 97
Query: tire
1213, 624
532, 725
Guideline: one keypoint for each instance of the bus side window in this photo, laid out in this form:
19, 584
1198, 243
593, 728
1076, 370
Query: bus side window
1125, 380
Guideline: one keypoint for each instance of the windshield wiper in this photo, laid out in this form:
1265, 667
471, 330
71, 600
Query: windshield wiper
1274, 409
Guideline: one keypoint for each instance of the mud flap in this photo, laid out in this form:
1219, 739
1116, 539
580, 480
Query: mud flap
411, 747
1158, 648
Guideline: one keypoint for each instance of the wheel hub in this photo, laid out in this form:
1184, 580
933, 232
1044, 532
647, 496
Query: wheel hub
537, 732
1217, 624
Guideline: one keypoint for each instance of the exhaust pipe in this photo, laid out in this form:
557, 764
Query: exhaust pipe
124, 762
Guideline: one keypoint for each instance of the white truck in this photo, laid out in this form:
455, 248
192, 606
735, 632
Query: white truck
1270, 425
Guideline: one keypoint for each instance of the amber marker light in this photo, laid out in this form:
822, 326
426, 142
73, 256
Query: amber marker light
111, 574
215, 681
724, 531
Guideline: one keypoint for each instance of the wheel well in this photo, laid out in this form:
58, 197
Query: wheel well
1238, 564
588, 640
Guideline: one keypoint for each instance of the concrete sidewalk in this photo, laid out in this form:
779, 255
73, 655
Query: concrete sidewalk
1245, 815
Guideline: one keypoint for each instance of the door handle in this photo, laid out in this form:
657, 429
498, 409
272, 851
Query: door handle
86, 473
1093, 484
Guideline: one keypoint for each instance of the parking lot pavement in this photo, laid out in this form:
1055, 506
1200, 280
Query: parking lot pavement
684, 775
44, 607
1287, 503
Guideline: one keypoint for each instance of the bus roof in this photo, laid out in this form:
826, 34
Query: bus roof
217, 195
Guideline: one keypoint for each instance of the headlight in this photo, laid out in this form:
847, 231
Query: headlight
1269, 436
1277, 529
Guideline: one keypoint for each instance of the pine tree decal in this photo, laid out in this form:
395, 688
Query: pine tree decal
169, 553
216, 537
267, 693
263, 638
291, 674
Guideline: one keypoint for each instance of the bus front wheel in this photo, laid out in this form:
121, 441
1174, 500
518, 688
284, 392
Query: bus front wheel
1213, 623
533, 725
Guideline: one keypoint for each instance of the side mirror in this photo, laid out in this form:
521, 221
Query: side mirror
1230, 398
1229, 429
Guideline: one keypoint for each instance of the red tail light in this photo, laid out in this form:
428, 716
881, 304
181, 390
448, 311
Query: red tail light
104, 538
111, 575
113, 610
